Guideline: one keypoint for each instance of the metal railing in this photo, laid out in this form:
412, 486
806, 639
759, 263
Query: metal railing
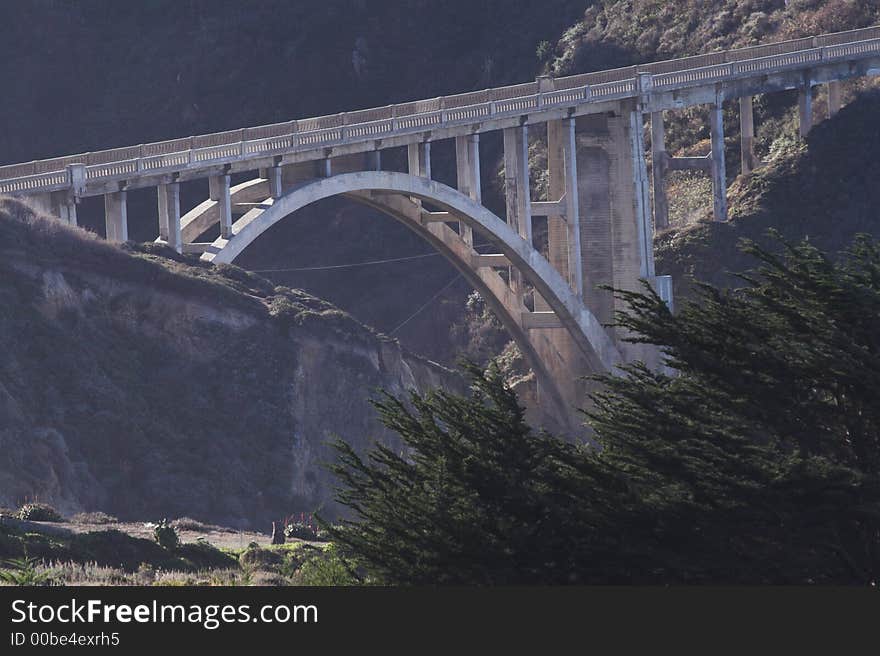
381, 122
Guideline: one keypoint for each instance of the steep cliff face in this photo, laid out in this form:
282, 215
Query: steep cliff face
143, 384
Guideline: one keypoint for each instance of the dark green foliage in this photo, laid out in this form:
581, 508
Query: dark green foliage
324, 567
768, 438
39, 512
165, 535
23, 571
754, 459
477, 499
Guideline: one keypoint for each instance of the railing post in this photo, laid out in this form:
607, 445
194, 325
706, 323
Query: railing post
645, 87
545, 84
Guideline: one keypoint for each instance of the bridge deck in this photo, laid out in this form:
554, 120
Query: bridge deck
474, 111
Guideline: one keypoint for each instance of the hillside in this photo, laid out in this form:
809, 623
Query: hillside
824, 190
142, 384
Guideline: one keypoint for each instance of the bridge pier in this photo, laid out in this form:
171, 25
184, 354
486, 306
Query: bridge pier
563, 225
419, 159
169, 215
275, 182
835, 97
659, 158
747, 134
116, 216
220, 191
374, 160
467, 168
805, 106
516, 192
719, 167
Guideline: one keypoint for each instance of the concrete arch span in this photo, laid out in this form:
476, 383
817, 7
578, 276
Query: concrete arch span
398, 195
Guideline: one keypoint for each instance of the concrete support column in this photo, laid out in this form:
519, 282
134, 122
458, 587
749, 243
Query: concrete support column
419, 158
65, 208
747, 134
225, 201
325, 167
516, 180
805, 107
719, 168
658, 170
516, 190
644, 226
572, 204
274, 175
169, 215
835, 97
374, 160
215, 187
116, 216
467, 167
557, 188
473, 142
67, 200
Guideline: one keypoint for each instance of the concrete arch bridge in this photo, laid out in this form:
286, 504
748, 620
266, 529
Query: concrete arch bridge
600, 210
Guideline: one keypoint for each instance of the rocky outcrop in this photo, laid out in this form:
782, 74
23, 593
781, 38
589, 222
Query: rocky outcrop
143, 384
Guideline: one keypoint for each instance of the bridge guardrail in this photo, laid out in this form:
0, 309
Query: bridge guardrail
231, 145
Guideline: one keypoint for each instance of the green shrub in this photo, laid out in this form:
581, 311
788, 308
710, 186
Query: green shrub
325, 568
24, 571
166, 535
39, 512
254, 558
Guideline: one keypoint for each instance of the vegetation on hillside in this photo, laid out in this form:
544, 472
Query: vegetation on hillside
141, 382
822, 190
754, 459
30, 556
